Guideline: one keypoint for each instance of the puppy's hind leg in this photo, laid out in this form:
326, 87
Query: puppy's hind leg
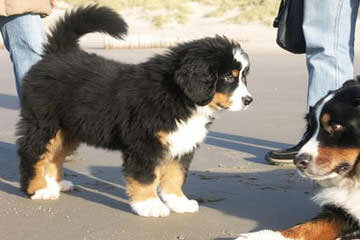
33, 147
41, 152
68, 147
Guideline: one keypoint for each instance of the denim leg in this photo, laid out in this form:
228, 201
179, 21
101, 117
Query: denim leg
23, 37
329, 27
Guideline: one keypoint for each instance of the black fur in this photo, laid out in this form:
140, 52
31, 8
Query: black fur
344, 110
349, 226
66, 33
113, 105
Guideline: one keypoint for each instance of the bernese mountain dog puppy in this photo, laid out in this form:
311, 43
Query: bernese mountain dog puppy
330, 157
156, 112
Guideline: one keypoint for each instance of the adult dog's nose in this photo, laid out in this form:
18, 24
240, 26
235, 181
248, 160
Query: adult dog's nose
302, 161
247, 100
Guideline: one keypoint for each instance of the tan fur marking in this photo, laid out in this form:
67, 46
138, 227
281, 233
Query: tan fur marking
235, 73
328, 158
50, 163
220, 99
325, 119
138, 191
163, 137
38, 181
172, 178
316, 230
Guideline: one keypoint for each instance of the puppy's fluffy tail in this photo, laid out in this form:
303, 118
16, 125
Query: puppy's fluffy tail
65, 35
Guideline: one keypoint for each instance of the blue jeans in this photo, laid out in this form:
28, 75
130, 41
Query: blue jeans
23, 37
329, 27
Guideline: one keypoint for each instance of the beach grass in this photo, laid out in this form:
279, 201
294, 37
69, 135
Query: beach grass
161, 12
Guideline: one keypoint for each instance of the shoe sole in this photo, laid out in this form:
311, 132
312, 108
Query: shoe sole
278, 162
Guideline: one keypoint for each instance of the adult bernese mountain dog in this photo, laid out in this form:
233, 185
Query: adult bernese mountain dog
156, 112
330, 157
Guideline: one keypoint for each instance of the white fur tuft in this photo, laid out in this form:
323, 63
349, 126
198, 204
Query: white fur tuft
263, 235
180, 204
190, 133
66, 186
346, 197
50, 192
150, 208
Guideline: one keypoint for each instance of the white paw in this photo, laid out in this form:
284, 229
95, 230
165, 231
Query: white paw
180, 204
50, 192
66, 186
150, 208
262, 235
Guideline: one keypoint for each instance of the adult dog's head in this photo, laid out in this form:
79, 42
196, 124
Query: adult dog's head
333, 149
212, 71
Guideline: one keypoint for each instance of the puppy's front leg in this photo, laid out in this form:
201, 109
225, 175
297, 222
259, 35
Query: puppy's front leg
144, 199
172, 178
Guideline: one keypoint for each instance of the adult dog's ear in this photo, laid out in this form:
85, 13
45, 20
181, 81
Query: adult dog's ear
197, 81
352, 81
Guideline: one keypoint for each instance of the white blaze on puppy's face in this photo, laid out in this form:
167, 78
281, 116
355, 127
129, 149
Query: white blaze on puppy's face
237, 97
241, 91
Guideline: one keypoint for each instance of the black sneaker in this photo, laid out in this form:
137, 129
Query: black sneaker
286, 156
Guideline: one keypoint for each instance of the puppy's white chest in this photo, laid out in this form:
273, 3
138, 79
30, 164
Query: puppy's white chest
189, 133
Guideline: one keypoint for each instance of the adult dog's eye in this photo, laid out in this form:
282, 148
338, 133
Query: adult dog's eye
334, 128
343, 167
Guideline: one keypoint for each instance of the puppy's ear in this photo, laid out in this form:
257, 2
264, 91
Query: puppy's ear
197, 81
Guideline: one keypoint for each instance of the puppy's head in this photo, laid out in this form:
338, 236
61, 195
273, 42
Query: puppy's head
213, 71
332, 150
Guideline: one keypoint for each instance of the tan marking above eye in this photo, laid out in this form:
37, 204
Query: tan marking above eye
325, 119
235, 72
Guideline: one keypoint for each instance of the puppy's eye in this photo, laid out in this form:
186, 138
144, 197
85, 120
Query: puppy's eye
229, 78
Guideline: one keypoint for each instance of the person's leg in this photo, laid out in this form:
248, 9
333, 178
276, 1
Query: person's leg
23, 36
329, 28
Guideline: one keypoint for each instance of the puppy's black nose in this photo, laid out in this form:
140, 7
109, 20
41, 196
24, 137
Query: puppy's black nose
247, 100
302, 161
